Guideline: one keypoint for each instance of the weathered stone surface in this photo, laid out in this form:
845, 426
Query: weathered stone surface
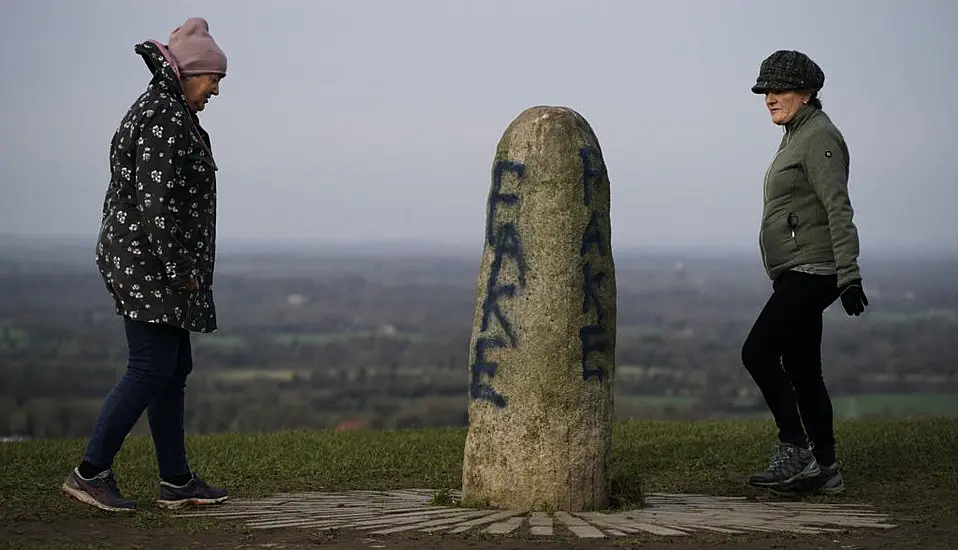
542, 354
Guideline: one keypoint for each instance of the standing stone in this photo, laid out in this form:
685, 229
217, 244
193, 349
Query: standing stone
542, 354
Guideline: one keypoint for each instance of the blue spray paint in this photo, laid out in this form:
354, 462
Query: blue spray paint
496, 197
482, 366
592, 236
592, 337
507, 245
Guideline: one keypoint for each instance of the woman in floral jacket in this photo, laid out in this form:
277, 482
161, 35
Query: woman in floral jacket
156, 253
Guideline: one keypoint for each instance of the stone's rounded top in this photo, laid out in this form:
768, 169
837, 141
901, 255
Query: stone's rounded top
543, 112
539, 127
552, 108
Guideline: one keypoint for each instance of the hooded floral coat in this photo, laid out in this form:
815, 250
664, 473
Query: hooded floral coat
158, 228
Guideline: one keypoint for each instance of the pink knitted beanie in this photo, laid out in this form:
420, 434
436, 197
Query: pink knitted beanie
194, 49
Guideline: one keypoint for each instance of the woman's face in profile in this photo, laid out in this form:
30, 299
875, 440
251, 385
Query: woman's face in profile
199, 88
783, 105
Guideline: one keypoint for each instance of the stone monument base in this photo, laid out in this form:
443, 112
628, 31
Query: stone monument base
667, 515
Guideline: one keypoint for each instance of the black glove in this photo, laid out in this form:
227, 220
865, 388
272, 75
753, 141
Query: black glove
853, 297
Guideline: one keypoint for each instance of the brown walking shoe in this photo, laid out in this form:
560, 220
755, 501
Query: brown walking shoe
196, 493
100, 491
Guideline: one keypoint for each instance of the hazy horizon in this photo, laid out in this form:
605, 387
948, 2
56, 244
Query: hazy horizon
356, 124
80, 245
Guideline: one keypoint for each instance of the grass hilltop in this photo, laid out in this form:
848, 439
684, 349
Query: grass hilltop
908, 468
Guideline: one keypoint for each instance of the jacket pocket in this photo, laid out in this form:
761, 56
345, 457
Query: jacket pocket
780, 240
792, 224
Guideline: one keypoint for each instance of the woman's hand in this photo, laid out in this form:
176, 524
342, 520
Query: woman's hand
192, 285
853, 298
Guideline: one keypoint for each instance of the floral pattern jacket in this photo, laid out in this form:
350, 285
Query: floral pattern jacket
158, 228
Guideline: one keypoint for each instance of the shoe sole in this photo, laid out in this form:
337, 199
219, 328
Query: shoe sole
794, 492
833, 490
781, 490
85, 498
177, 504
804, 474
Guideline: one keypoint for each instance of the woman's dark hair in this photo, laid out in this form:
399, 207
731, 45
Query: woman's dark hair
814, 101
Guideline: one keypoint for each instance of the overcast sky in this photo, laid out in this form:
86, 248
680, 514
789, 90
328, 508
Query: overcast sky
344, 121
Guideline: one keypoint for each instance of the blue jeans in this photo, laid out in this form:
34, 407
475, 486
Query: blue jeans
155, 380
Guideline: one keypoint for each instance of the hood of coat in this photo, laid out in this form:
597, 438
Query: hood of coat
161, 65
166, 76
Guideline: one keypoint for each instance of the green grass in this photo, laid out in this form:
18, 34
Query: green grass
654, 401
906, 467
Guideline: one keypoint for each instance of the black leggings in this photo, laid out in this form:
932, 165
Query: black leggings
783, 354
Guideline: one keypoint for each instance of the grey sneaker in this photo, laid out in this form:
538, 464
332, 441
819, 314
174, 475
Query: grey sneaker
789, 464
196, 492
829, 481
101, 491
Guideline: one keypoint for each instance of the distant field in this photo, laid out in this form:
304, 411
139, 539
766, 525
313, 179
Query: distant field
248, 375
946, 316
231, 341
325, 338
846, 406
896, 404
221, 341
12, 338
892, 405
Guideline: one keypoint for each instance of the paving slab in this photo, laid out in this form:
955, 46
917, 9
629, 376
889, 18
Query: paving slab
665, 514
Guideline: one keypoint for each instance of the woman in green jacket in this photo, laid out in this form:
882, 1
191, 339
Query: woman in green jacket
809, 247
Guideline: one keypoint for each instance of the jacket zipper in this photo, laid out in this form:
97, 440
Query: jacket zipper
761, 235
